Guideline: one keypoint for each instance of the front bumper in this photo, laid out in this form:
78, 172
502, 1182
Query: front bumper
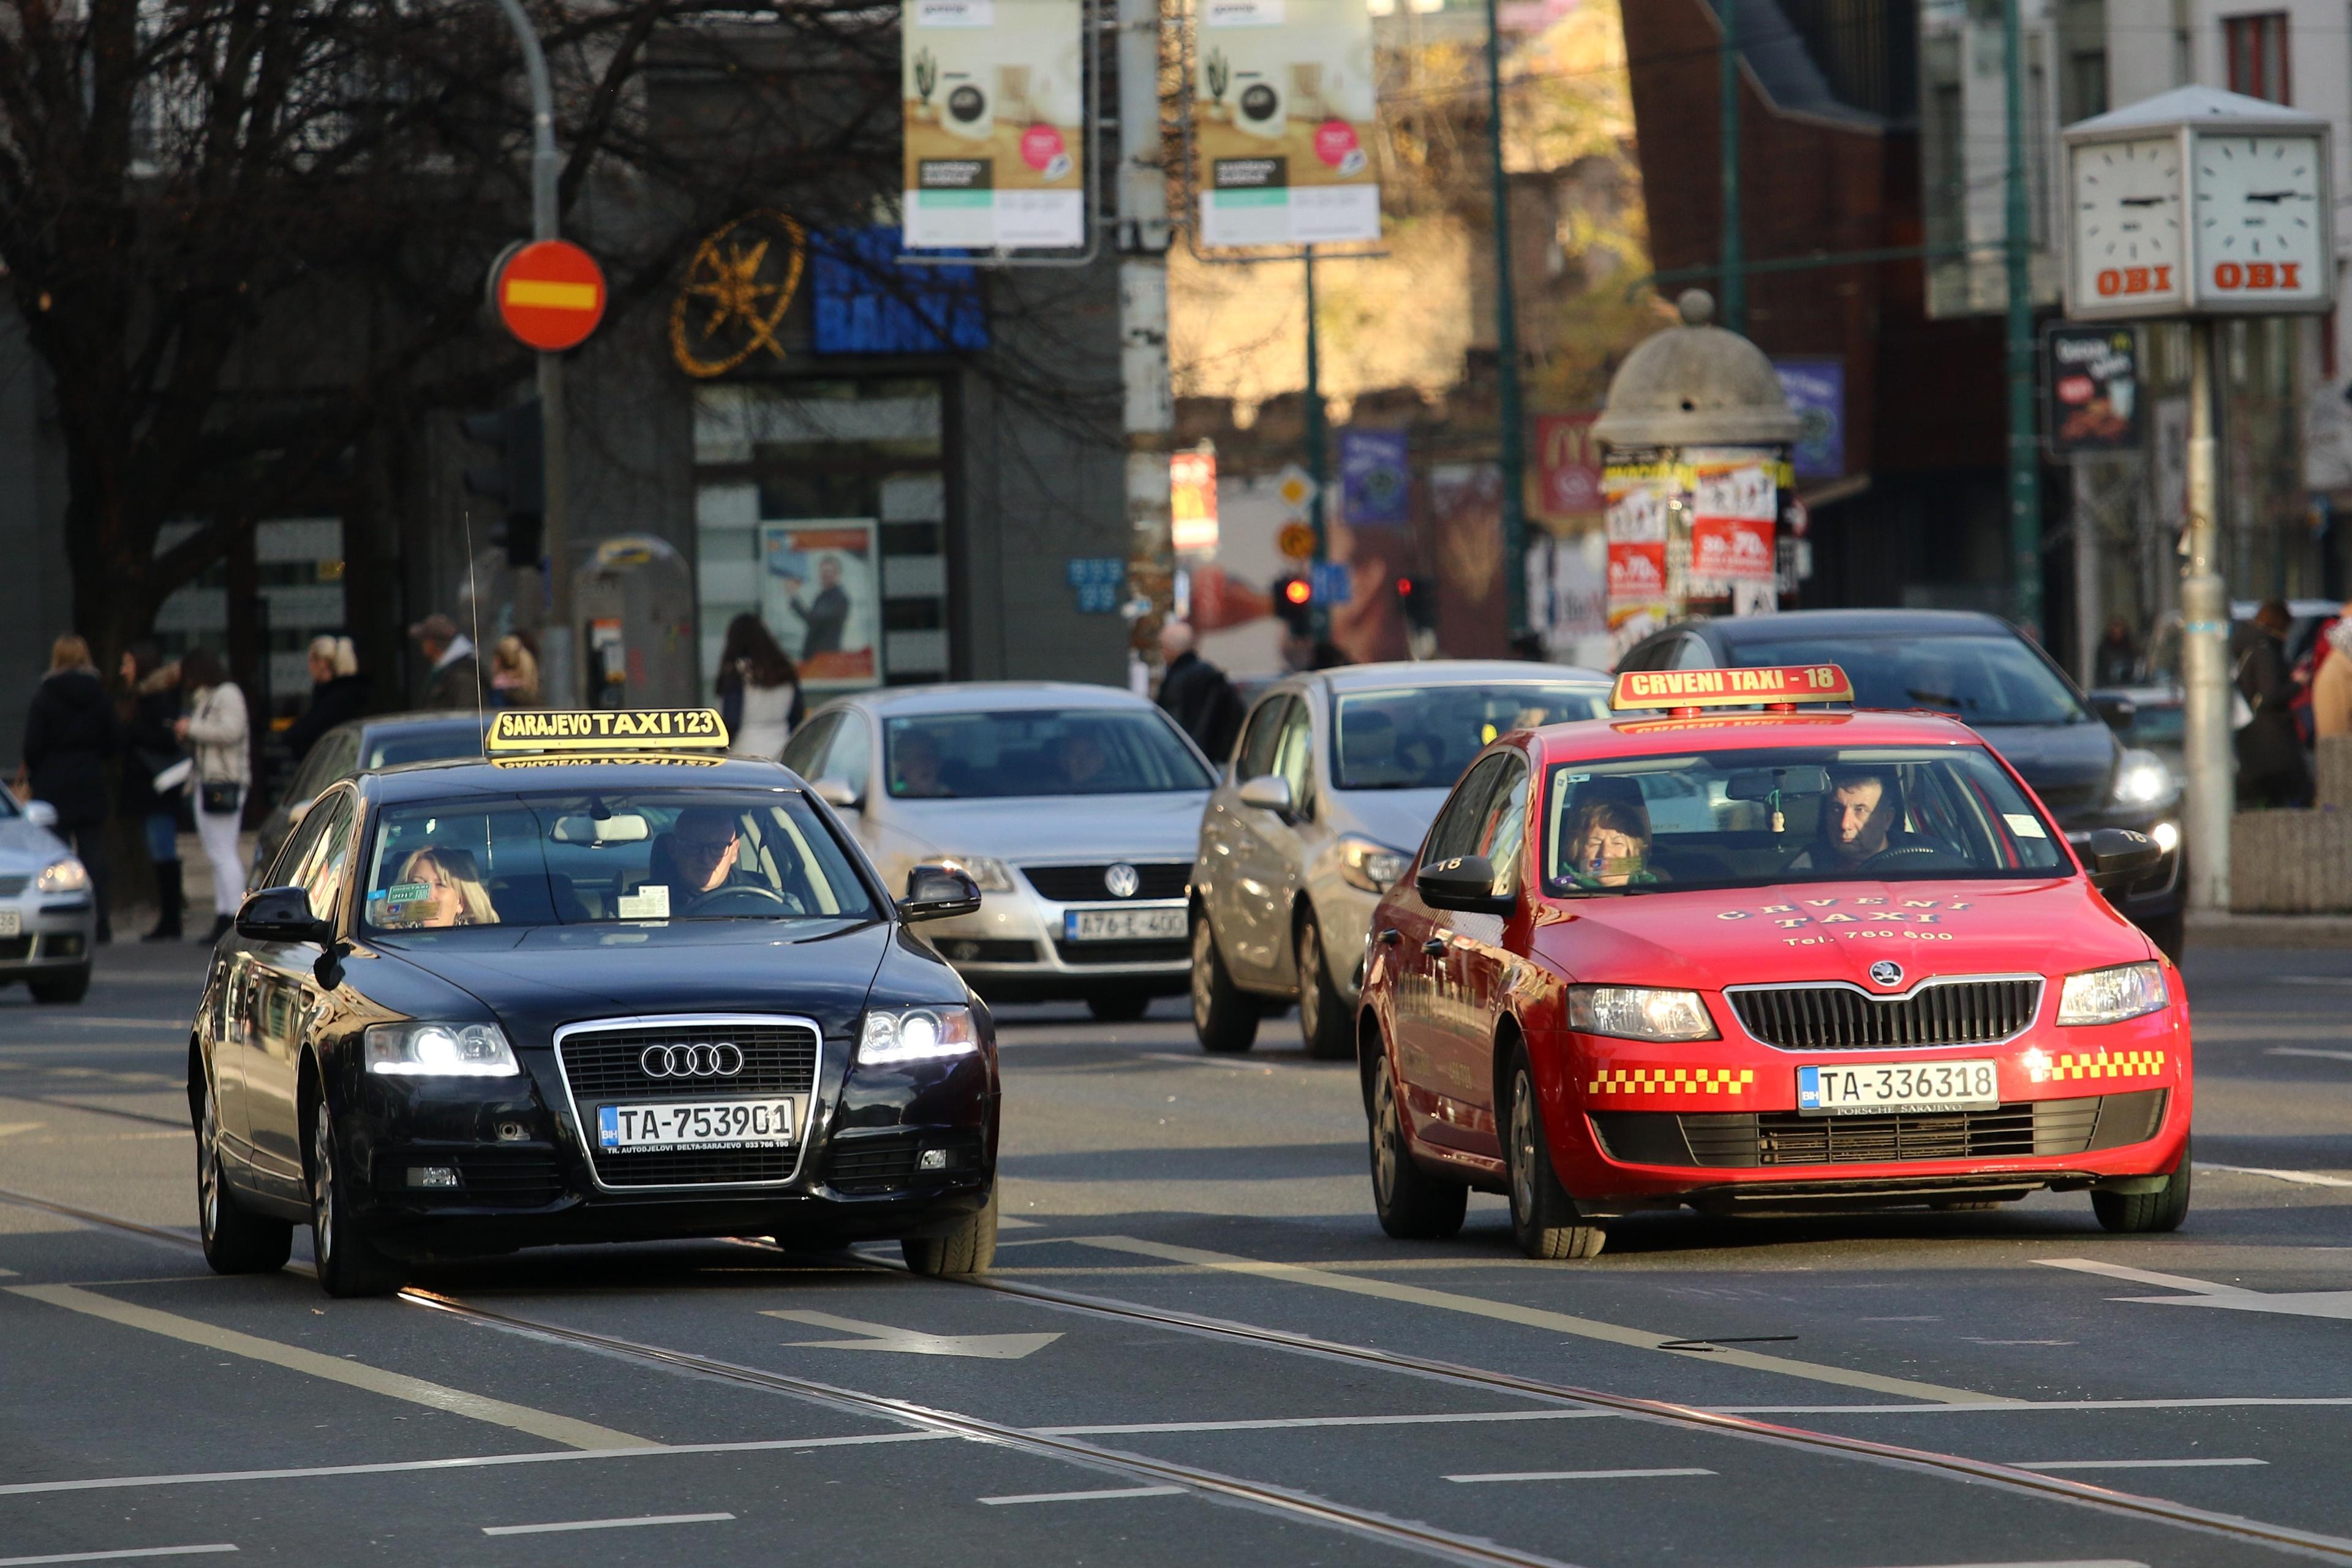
1717, 1124
53, 935
1019, 946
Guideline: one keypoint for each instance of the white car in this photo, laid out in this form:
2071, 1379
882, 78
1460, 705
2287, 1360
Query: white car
1075, 807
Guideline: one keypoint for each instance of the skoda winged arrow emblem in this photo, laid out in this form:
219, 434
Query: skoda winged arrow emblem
1122, 880
1886, 972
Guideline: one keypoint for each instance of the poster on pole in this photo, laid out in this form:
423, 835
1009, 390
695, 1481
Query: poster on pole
821, 594
996, 123
2092, 385
1640, 492
1568, 468
1284, 111
1734, 508
1375, 476
1193, 501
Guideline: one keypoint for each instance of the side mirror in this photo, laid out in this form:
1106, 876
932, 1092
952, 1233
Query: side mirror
2116, 855
1466, 883
1269, 792
938, 893
40, 813
282, 914
837, 793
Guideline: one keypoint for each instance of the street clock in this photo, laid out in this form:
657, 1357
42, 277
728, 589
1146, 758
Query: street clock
2197, 202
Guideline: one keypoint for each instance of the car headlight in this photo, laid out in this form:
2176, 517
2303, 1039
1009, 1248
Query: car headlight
2142, 779
1370, 866
917, 1034
2111, 995
1639, 1012
440, 1050
66, 876
2167, 835
991, 876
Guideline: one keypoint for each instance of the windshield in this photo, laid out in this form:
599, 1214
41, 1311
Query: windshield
574, 859
1983, 678
435, 745
1423, 737
1037, 752
1751, 819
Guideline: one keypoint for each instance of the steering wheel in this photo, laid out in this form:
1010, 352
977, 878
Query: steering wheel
741, 899
1912, 856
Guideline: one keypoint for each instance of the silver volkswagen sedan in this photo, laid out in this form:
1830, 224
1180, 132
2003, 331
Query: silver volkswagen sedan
1331, 790
1075, 807
48, 920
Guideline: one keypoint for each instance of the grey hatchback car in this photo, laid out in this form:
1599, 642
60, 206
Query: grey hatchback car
379, 742
1331, 790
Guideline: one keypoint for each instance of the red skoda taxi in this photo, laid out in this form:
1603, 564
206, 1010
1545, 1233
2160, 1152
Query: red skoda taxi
1767, 960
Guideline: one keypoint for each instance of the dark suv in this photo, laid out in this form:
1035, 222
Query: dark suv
1977, 668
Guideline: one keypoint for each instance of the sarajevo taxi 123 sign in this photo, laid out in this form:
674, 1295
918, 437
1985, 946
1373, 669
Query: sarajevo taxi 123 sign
614, 730
1730, 687
550, 294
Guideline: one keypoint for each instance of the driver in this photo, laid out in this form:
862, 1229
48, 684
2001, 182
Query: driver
1083, 761
704, 844
1860, 818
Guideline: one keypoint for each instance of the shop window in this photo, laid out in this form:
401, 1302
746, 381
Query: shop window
2254, 51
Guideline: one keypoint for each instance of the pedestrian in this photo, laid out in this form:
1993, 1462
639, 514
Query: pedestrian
454, 675
2272, 769
1197, 694
2116, 660
338, 692
218, 732
152, 749
758, 690
514, 673
70, 732
2331, 686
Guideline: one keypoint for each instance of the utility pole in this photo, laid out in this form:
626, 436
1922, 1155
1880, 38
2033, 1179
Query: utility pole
1735, 260
1317, 464
1149, 411
2204, 650
2024, 453
1507, 347
559, 672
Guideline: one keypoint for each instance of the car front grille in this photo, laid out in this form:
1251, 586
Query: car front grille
1174, 950
2071, 797
1837, 1018
11, 885
1753, 1139
1083, 884
603, 1065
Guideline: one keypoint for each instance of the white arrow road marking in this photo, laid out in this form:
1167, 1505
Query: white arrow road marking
2300, 1178
2236, 1298
882, 1337
6, 1128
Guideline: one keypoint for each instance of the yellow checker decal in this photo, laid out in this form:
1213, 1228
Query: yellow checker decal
2112, 1064
1671, 1080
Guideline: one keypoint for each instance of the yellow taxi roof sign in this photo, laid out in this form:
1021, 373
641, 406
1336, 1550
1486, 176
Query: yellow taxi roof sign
634, 731
1782, 686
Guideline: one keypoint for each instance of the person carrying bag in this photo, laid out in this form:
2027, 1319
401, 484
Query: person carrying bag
218, 733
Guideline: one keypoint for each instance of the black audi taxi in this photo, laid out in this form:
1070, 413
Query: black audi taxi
603, 983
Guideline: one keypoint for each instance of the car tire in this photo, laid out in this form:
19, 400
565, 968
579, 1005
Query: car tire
2146, 1213
969, 1248
236, 1239
2170, 934
1119, 1006
1543, 1216
1324, 1025
1224, 1019
349, 1265
66, 989
1412, 1204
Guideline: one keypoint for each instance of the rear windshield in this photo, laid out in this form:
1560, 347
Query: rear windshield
576, 859
1421, 737
1037, 752
1979, 678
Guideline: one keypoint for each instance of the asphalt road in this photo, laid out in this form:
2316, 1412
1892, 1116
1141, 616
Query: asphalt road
1199, 1348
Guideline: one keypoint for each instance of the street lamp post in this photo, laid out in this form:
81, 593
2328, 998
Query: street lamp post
2024, 453
1507, 347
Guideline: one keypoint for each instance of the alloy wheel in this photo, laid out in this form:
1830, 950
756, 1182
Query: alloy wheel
1522, 1146
1385, 1135
322, 1187
1204, 953
1310, 973
208, 1168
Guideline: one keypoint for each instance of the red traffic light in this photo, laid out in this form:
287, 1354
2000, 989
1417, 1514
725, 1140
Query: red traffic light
1404, 587
1298, 590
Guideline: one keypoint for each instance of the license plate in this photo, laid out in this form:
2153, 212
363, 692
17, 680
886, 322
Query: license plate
11, 923
1849, 1090
654, 1128
1123, 925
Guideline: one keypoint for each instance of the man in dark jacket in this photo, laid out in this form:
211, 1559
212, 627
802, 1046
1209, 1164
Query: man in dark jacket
2272, 769
454, 680
1196, 694
70, 732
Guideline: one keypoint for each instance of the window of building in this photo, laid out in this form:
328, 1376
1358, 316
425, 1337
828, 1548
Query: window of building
2088, 70
2255, 48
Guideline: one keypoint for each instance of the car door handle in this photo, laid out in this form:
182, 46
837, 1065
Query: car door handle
1434, 947
1389, 937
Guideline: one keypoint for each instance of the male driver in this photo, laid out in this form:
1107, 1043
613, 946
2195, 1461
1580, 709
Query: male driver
1859, 817
703, 847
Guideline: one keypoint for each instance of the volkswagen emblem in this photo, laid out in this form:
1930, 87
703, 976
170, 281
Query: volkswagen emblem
1122, 880
1886, 972
691, 1061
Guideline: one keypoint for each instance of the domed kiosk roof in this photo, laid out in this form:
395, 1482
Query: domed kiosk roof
1696, 385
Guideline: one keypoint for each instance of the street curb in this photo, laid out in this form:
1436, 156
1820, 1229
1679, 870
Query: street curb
2224, 930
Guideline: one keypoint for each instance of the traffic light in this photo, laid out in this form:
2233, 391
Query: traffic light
1418, 596
1294, 597
516, 479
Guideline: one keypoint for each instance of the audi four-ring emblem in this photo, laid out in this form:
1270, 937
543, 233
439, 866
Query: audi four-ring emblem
691, 1061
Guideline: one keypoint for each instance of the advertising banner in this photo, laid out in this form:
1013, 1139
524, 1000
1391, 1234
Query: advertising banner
1639, 492
996, 123
1733, 508
1283, 117
1193, 500
1375, 477
2094, 382
1568, 468
1816, 392
821, 594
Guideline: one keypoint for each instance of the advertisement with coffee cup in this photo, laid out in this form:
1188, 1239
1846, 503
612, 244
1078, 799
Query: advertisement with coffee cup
996, 123
1284, 111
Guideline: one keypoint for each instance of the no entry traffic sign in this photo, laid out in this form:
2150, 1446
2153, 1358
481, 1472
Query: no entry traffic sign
550, 293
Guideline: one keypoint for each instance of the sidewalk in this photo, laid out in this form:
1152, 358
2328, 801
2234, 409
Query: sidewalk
131, 918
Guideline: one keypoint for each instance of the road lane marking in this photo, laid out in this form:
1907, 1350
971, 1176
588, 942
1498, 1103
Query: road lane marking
334, 1369
2301, 1178
906, 1342
2143, 1276
2136, 1464
118, 1556
1084, 1496
2306, 1051
606, 1523
2287, 1303
1580, 1475
1532, 1316
2013, 1405
1286, 1423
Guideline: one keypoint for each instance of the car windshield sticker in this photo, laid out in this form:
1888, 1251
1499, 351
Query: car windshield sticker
650, 902
407, 892
2022, 824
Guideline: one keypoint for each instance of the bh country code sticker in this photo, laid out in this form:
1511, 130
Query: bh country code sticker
711, 1124
1897, 1087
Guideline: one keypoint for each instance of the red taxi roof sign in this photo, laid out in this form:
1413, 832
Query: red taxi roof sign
1779, 686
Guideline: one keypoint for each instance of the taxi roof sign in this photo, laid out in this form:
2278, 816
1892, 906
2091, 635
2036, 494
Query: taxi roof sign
1692, 688
621, 731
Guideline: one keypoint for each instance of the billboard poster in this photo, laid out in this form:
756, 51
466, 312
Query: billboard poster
1375, 477
996, 123
1568, 468
1734, 506
1816, 392
1193, 500
821, 594
1639, 490
1282, 118
2094, 390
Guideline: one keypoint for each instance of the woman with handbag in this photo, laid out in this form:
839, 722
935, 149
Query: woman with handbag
69, 733
151, 703
218, 732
